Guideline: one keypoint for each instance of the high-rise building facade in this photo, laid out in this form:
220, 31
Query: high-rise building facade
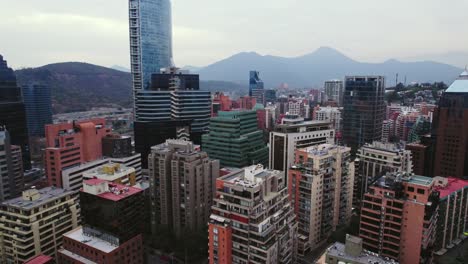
117, 146
71, 144
35, 222
452, 224
364, 110
13, 112
150, 30
182, 184
321, 190
256, 87
422, 153
450, 131
112, 225
148, 134
296, 133
11, 168
375, 160
334, 91
174, 107
38, 103
235, 140
331, 114
252, 220
399, 217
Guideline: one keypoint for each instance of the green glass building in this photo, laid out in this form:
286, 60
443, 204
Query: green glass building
235, 140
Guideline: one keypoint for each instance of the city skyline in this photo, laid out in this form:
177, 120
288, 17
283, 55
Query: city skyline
61, 30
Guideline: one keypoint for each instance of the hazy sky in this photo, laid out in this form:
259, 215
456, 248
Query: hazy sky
38, 32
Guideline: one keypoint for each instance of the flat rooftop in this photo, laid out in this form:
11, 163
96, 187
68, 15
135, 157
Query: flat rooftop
39, 259
109, 171
419, 180
337, 250
47, 195
115, 192
94, 242
453, 185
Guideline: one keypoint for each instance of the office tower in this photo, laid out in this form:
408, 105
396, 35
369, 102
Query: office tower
422, 153
246, 102
377, 159
35, 222
173, 108
150, 30
450, 131
220, 102
11, 168
38, 103
334, 91
256, 87
116, 146
12, 111
320, 185
270, 96
330, 114
293, 134
148, 134
181, 198
352, 252
235, 140
71, 144
112, 225
453, 213
40, 259
252, 220
364, 110
398, 217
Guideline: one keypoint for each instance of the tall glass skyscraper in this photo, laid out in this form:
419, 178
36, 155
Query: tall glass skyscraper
38, 102
150, 26
364, 110
12, 111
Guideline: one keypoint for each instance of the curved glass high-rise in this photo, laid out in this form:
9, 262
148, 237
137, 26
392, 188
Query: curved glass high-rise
150, 25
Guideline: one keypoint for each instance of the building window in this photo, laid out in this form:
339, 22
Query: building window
421, 191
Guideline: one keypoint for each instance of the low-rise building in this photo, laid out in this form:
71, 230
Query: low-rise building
34, 223
352, 252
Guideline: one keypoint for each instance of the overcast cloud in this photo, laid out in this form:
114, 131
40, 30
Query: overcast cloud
38, 32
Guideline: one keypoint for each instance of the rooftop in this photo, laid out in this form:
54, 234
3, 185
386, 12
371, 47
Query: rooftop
110, 171
337, 250
323, 149
419, 180
110, 191
39, 259
44, 196
249, 177
449, 186
79, 236
460, 85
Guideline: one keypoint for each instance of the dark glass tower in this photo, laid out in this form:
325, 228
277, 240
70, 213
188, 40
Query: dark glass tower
256, 87
364, 110
38, 103
450, 131
12, 111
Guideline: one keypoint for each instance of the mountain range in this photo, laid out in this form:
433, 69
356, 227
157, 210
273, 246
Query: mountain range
313, 69
80, 86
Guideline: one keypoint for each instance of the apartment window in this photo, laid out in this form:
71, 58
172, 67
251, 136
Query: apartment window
421, 191
410, 189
